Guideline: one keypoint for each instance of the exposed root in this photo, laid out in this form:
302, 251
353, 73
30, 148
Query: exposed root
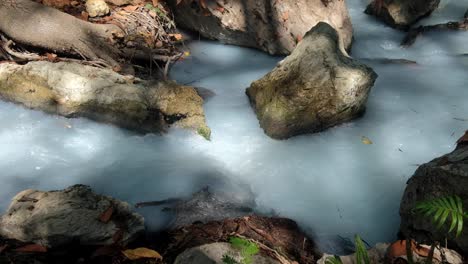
413, 33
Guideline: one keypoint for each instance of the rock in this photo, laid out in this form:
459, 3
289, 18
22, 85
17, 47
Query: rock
280, 234
274, 28
314, 88
207, 205
58, 218
443, 176
401, 13
75, 90
97, 8
57, 3
213, 254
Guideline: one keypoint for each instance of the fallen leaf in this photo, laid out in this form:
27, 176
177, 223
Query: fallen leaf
131, 8
139, 253
463, 139
203, 3
106, 215
155, 2
51, 57
84, 15
366, 140
176, 36
31, 248
299, 38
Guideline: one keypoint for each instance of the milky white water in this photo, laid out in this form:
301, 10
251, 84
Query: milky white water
330, 182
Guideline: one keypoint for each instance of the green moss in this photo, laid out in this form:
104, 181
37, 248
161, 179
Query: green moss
205, 132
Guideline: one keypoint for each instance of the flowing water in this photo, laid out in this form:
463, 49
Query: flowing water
330, 182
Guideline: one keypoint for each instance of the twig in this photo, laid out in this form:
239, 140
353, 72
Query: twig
411, 36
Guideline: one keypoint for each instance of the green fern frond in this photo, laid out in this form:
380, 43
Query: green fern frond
361, 251
333, 260
442, 209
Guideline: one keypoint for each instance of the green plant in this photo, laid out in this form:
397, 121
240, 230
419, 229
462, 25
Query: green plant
443, 208
246, 248
361, 253
229, 260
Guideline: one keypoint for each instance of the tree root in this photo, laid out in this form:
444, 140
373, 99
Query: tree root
413, 33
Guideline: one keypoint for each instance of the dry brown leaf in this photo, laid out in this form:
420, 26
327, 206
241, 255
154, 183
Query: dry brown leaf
177, 37
84, 15
366, 140
203, 4
155, 2
131, 8
106, 215
51, 57
31, 248
139, 253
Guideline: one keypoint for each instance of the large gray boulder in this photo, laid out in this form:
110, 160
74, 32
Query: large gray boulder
76, 90
76, 214
401, 13
316, 87
272, 26
443, 176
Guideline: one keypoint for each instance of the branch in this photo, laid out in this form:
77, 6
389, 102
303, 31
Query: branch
410, 38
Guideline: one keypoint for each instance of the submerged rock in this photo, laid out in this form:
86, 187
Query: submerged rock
73, 215
401, 13
75, 90
316, 87
443, 176
207, 205
272, 27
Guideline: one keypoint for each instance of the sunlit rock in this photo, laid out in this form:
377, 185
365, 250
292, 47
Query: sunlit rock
316, 87
401, 13
76, 214
97, 8
272, 26
75, 90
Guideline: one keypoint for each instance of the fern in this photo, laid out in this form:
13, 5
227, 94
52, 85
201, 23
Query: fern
333, 260
362, 257
247, 249
443, 208
361, 251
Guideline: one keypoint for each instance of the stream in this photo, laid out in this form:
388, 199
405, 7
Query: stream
331, 183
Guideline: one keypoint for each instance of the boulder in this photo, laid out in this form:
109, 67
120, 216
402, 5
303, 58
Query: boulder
213, 254
76, 90
401, 13
443, 176
316, 87
73, 215
272, 26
